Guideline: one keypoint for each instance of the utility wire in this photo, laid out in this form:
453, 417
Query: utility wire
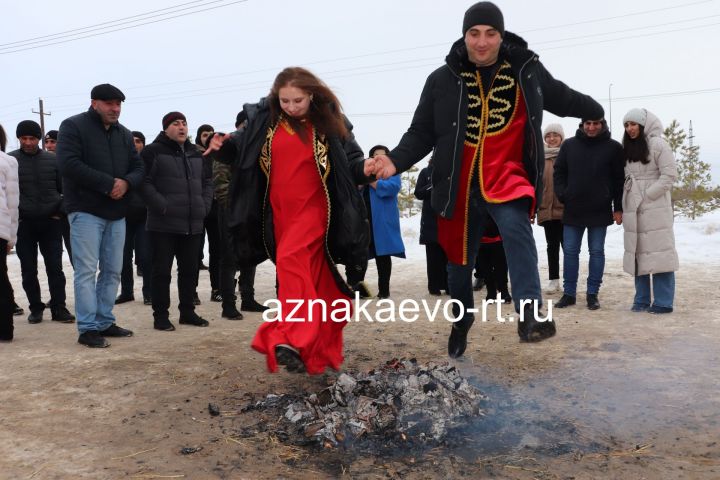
120, 29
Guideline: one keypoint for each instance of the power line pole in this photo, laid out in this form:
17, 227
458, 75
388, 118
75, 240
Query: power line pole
42, 114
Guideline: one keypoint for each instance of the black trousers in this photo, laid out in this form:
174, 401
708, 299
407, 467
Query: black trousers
553, 236
66, 236
45, 233
436, 261
214, 246
384, 268
492, 265
6, 295
166, 247
228, 265
137, 239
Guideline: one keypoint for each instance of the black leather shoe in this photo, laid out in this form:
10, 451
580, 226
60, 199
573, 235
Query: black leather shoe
565, 301
592, 301
193, 319
123, 298
93, 339
17, 311
457, 343
531, 330
290, 358
62, 315
250, 305
115, 331
230, 312
35, 317
163, 324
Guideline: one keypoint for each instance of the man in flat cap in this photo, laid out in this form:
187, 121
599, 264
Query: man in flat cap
99, 164
40, 225
482, 113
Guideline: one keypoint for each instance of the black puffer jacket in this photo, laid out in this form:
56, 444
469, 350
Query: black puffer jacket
90, 157
441, 116
40, 184
178, 186
250, 215
588, 179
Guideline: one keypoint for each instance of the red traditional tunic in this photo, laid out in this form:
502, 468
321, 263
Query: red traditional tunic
300, 215
494, 150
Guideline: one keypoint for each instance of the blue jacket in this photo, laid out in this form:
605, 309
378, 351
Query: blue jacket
386, 217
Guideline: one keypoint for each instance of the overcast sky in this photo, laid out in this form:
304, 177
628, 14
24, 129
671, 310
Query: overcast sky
659, 54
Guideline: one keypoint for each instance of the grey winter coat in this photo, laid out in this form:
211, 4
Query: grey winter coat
647, 208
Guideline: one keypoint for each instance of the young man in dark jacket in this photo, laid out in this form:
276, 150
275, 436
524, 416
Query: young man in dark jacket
482, 112
178, 193
588, 178
99, 166
40, 223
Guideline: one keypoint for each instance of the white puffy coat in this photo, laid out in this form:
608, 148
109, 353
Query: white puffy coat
9, 198
647, 207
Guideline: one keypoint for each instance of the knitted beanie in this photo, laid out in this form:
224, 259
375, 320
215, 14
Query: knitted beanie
484, 13
554, 128
171, 117
636, 115
28, 128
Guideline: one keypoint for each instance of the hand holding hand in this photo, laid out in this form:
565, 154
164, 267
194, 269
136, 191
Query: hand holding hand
617, 216
384, 167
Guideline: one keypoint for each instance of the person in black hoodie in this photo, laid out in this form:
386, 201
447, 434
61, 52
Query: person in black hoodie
588, 179
40, 225
99, 166
178, 193
482, 112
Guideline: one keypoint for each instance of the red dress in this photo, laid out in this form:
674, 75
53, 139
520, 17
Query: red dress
300, 214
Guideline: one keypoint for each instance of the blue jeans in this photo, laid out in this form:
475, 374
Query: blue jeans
663, 289
572, 239
94, 241
513, 222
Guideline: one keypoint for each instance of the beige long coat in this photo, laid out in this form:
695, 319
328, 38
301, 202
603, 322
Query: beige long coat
647, 208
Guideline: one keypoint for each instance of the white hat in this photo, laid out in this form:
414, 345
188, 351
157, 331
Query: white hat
554, 128
636, 115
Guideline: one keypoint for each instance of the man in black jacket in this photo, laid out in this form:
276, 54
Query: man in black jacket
178, 193
588, 178
482, 112
40, 225
99, 165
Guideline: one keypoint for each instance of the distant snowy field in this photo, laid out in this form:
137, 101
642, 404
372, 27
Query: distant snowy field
697, 241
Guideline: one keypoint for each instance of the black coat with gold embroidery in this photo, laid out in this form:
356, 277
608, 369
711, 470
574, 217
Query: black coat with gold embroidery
440, 118
340, 168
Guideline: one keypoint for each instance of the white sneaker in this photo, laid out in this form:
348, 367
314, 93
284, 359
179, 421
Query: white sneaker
553, 286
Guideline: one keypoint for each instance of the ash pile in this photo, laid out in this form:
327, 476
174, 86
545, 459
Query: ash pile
403, 400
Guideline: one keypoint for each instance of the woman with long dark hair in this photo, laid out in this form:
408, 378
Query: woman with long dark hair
293, 198
9, 201
650, 172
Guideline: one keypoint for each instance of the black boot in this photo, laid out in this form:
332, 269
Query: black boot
592, 301
457, 342
532, 330
62, 315
230, 311
565, 301
250, 305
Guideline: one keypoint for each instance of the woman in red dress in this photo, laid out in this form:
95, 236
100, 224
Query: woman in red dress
294, 199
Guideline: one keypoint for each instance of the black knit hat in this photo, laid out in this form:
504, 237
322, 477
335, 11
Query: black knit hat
241, 117
106, 92
484, 13
378, 147
28, 128
171, 117
139, 135
52, 134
